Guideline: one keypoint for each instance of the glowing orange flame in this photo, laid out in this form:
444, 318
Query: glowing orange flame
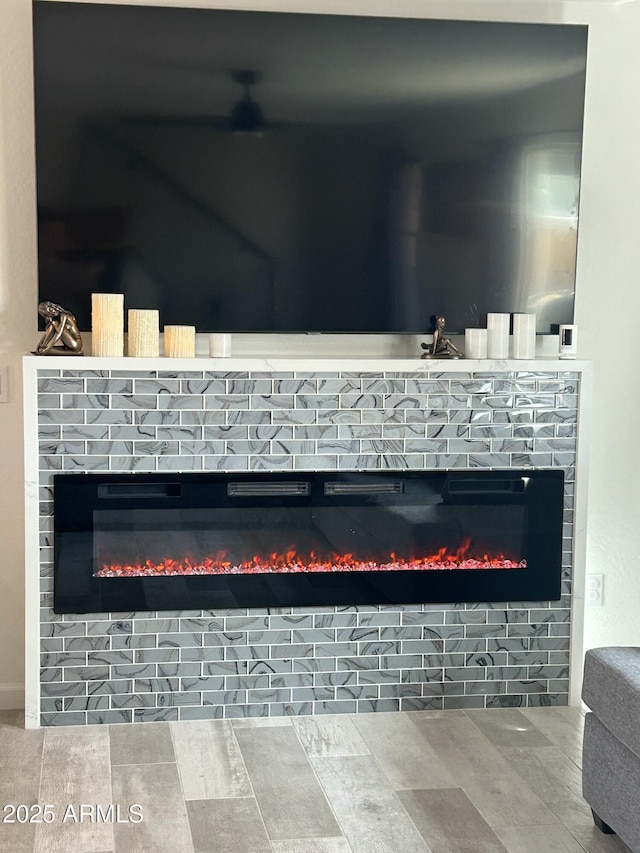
290, 561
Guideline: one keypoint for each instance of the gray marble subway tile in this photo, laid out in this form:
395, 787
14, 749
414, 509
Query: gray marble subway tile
242, 415
277, 401
201, 712
381, 417
152, 385
205, 682
48, 402
267, 432
269, 694
228, 432
179, 401
179, 463
156, 685
209, 654
292, 803
60, 385
224, 697
113, 686
313, 402
285, 416
84, 431
226, 463
64, 718
130, 641
132, 670
86, 703
63, 629
110, 657
351, 462
270, 463
329, 706
248, 653
317, 462
327, 664
340, 416
155, 715
85, 463
245, 711
297, 679
61, 448
326, 431
298, 385
156, 417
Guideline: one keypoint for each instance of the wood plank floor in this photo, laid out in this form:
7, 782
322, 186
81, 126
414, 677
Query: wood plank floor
490, 781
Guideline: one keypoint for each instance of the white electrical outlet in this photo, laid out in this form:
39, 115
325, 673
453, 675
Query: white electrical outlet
594, 592
4, 384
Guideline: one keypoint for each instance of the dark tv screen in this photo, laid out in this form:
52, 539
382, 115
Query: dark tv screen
279, 172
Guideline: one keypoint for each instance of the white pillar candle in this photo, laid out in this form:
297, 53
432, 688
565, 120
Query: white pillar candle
524, 335
143, 336
498, 335
180, 341
220, 345
475, 343
107, 324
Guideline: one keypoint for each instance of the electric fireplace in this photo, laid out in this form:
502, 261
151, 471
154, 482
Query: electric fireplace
204, 541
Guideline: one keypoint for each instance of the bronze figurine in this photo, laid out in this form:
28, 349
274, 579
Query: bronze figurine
61, 334
441, 347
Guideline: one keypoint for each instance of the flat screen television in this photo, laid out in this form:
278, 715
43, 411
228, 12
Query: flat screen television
283, 172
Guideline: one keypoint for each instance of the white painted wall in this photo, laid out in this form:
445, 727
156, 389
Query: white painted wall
608, 270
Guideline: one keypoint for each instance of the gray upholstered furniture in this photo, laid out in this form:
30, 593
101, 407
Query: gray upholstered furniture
611, 751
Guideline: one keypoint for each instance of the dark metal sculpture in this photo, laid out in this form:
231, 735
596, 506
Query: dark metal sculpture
61, 334
441, 347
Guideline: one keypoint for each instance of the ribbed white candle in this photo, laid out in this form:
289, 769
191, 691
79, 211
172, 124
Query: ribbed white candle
180, 341
107, 324
143, 337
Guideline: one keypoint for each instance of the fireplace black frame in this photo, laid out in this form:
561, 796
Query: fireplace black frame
78, 590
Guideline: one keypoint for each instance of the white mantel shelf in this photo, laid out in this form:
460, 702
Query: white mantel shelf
278, 363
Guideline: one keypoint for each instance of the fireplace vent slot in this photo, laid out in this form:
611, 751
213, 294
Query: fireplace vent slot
139, 490
268, 489
394, 488
484, 487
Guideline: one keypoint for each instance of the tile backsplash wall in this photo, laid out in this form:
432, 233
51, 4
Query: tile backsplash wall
134, 667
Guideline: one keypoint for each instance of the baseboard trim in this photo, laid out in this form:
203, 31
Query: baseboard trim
11, 697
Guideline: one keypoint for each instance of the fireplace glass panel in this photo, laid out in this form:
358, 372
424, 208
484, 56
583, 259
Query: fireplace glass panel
144, 542
411, 537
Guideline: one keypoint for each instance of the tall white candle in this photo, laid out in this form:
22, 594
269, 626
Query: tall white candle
143, 337
498, 335
180, 341
107, 324
524, 335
